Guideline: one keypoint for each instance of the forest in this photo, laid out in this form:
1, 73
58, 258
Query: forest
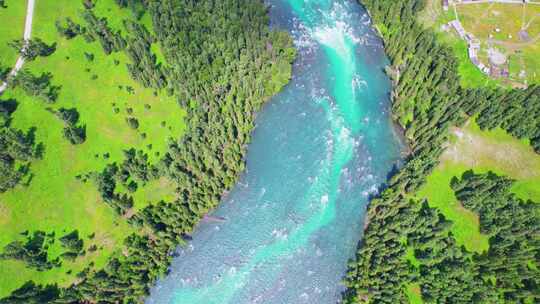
222, 63
427, 100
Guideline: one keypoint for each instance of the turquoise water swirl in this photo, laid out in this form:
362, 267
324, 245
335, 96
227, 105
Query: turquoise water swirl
320, 149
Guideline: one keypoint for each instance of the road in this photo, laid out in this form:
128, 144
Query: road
26, 36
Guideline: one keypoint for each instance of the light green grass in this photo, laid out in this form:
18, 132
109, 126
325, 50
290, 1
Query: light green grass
465, 226
11, 28
54, 200
516, 160
481, 151
414, 294
434, 17
482, 20
409, 256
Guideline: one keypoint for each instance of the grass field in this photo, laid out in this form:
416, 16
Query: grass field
434, 17
482, 20
55, 200
414, 294
481, 151
14, 15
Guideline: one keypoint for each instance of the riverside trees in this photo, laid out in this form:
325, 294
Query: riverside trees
427, 100
222, 63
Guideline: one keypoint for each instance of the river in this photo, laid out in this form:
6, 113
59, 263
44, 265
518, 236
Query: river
321, 148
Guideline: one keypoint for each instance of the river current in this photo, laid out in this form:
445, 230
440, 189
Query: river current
321, 148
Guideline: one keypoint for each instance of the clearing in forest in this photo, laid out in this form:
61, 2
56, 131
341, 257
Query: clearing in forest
100, 88
482, 151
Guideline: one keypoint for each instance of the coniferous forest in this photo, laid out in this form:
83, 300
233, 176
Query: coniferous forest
222, 63
427, 101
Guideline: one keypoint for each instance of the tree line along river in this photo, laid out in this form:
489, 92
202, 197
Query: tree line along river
321, 148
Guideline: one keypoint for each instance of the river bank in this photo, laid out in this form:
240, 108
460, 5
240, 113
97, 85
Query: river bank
321, 149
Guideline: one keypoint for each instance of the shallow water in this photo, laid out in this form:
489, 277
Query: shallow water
320, 149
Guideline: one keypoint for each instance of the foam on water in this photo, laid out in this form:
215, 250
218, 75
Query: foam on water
295, 217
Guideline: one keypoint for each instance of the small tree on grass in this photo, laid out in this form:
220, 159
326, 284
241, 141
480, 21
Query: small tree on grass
132, 122
72, 242
4, 72
69, 116
75, 134
70, 30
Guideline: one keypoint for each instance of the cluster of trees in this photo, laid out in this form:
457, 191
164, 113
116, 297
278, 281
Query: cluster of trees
135, 170
223, 63
75, 134
31, 49
30, 293
144, 67
514, 229
137, 7
70, 30
17, 149
98, 29
33, 251
73, 244
37, 86
106, 182
427, 100
515, 111
445, 272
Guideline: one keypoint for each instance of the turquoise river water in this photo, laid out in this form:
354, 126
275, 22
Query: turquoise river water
321, 148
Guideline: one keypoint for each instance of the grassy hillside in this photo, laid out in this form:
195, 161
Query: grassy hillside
434, 17
104, 95
498, 25
14, 15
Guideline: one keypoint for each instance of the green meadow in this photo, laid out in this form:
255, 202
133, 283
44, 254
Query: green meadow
52, 199
434, 17
481, 151
12, 28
